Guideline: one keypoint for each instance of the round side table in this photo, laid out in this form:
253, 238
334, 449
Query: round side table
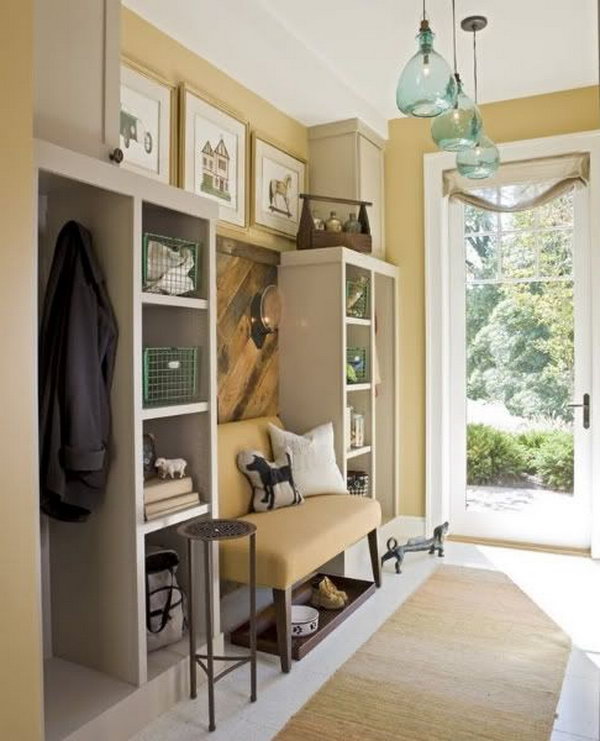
210, 531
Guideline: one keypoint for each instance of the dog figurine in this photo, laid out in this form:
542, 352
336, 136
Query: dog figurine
436, 543
170, 466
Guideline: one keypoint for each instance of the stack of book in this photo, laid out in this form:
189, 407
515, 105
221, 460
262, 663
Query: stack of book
165, 496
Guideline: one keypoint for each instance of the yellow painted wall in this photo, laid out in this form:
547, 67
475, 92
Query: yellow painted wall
20, 631
145, 44
409, 139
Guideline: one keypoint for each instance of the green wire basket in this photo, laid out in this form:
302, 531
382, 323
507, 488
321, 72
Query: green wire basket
170, 375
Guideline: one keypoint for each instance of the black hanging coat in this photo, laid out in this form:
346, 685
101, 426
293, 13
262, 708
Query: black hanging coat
78, 341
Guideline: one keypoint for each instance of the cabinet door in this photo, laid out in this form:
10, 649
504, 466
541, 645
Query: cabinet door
77, 56
370, 183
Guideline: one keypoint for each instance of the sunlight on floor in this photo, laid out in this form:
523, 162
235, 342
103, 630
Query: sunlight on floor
567, 588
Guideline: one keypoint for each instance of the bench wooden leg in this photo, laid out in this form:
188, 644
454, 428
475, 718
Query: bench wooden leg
283, 615
375, 562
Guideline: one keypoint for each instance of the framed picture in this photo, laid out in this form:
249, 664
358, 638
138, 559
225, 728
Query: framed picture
278, 181
145, 123
213, 154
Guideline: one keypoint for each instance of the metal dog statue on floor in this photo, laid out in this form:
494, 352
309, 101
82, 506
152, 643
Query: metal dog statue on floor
416, 544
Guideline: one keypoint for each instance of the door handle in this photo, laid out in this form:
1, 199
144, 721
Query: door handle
585, 405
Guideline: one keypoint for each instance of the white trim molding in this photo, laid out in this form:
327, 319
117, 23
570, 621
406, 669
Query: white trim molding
437, 272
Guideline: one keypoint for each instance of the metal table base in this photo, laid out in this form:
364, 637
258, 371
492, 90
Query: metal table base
209, 531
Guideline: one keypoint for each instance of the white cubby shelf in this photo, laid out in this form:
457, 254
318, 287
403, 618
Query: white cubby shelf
356, 452
181, 302
175, 518
358, 387
175, 410
358, 322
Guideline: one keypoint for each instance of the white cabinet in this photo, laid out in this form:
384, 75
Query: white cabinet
77, 74
346, 161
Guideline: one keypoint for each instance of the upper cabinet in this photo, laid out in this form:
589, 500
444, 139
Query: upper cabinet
346, 161
77, 74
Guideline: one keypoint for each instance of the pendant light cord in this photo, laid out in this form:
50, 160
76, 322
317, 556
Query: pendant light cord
454, 36
424, 11
475, 64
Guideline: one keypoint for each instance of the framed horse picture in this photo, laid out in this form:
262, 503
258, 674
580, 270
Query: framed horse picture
278, 179
213, 153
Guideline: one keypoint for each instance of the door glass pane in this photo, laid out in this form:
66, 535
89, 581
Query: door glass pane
520, 358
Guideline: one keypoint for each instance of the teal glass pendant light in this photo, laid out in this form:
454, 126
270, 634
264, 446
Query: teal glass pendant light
459, 127
483, 160
426, 86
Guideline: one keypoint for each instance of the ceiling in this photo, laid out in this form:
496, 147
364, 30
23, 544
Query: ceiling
326, 60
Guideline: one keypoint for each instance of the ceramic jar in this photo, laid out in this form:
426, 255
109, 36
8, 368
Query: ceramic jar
353, 225
318, 222
333, 224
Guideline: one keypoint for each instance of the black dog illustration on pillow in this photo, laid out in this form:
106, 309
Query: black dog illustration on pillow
276, 480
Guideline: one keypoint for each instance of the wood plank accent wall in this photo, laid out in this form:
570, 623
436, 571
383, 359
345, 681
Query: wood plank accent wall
248, 378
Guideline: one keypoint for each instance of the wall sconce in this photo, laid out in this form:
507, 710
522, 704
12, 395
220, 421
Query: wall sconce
265, 314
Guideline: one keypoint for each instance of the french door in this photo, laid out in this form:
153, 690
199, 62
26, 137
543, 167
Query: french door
519, 373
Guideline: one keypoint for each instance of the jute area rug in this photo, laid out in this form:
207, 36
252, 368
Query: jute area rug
468, 657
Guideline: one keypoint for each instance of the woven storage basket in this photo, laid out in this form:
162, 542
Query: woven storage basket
358, 483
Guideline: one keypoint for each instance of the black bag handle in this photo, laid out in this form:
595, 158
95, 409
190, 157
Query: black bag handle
165, 611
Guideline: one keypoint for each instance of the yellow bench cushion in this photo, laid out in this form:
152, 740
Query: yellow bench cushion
292, 542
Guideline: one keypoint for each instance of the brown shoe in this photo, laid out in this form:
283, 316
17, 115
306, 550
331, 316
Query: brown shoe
332, 589
322, 597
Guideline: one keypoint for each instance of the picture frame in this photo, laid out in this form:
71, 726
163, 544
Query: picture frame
214, 154
146, 122
278, 178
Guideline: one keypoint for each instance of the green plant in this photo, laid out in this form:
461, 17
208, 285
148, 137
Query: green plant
554, 461
493, 456
531, 441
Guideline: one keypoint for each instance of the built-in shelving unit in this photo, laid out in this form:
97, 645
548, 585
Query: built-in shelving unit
100, 681
314, 336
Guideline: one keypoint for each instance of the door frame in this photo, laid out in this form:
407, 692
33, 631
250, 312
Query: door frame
437, 277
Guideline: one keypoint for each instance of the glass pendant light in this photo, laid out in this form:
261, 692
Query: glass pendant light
483, 159
459, 127
426, 86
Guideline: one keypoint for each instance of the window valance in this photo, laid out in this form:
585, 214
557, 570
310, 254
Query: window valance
520, 186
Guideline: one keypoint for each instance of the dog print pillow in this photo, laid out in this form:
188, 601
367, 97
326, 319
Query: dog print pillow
272, 483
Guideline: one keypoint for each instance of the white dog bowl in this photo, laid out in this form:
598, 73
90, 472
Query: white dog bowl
305, 620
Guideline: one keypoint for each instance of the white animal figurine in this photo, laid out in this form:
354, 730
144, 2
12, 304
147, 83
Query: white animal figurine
170, 466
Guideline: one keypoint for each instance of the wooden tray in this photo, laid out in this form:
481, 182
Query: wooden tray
358, 591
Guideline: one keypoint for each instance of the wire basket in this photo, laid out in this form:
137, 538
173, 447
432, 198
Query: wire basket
356, 360
170, 375
169, 265
357, 298
358, 483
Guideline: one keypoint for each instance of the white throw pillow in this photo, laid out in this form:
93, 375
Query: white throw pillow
315, 469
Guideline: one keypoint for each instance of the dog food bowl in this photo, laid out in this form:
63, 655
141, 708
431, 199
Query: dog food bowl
305, 620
